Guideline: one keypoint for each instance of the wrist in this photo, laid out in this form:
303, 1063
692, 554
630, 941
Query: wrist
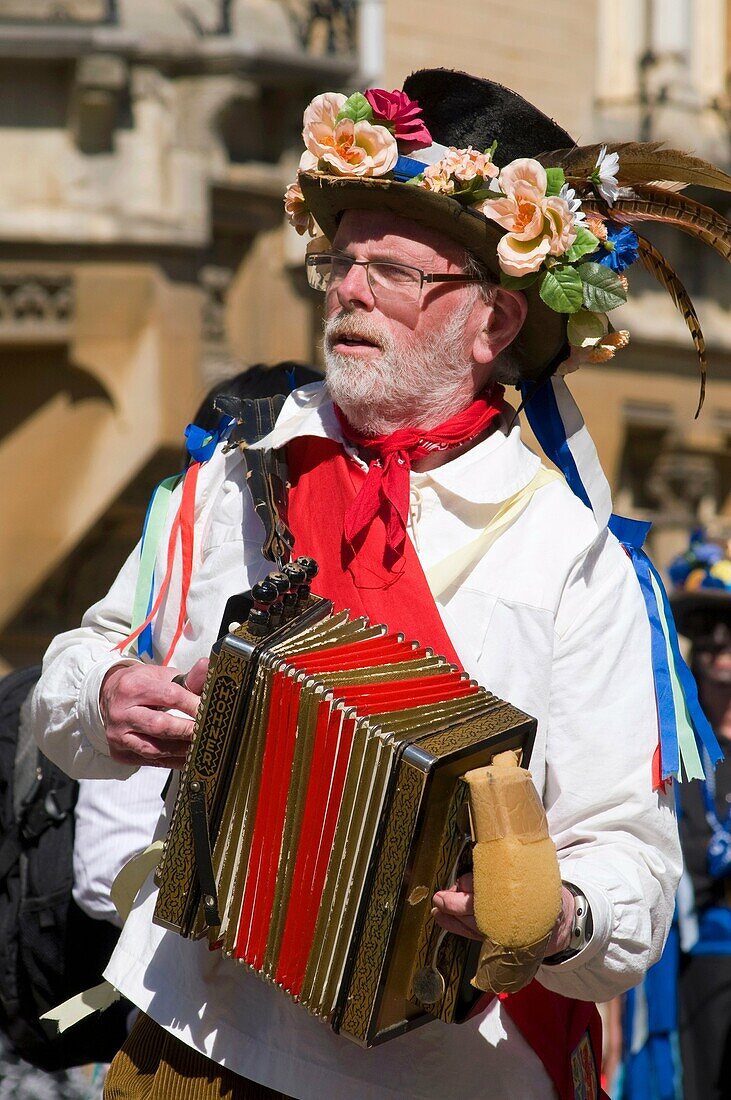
576, 927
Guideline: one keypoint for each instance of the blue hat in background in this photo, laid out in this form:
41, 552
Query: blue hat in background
701, 578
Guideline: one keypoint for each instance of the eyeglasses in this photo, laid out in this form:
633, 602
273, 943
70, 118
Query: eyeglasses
326, 270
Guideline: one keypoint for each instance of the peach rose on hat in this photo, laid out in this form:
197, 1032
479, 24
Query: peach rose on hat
537, 225
347, 147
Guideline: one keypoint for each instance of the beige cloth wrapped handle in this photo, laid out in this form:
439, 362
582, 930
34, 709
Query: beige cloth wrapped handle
517, 884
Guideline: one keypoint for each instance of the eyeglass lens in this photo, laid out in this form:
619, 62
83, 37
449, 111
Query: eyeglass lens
385, 279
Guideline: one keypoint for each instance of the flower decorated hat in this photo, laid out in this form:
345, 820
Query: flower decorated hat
476, 161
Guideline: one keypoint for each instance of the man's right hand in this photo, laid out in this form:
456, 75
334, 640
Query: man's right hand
134, 702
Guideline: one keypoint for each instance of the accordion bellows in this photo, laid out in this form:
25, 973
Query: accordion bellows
327, 762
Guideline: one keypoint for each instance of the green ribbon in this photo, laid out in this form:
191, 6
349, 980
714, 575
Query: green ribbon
151, 538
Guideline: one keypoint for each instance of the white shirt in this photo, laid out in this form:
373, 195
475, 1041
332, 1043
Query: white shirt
551, 618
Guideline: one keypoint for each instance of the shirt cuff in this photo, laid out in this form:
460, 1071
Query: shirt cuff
90, 715
602, 915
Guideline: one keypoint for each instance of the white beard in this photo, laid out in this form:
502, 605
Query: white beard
415, 387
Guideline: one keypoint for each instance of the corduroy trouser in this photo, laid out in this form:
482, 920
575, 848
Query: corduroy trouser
153, 1065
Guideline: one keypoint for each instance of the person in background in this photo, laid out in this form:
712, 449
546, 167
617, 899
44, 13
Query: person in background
677, 1023
702, 609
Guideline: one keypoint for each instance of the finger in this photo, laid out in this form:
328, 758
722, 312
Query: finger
453, 924
176, 697
170, 763
157, 724
150, 750
153, 691
454, 904
196, 678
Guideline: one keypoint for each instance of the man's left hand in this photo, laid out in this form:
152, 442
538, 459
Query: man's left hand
454, 910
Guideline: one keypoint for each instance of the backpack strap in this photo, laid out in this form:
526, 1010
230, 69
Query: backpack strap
27, 764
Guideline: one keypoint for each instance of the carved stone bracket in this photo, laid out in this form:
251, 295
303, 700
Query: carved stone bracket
36, 307
218, 361
324, 26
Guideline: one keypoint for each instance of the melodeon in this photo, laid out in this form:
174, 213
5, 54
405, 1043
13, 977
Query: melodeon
321, 807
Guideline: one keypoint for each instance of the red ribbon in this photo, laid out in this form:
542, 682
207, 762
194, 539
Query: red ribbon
182, 527
384, 495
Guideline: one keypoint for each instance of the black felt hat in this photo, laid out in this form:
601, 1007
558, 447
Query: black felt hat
697, 613
458, 110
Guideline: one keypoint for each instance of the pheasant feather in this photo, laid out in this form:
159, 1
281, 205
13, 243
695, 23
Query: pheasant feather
658, 266
640, 162
659, 205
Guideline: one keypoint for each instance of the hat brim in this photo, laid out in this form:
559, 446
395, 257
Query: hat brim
543, 335
697, 612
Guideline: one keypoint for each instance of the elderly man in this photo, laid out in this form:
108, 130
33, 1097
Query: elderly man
397, 466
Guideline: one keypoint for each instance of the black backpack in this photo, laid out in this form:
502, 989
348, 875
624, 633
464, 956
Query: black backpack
49, 949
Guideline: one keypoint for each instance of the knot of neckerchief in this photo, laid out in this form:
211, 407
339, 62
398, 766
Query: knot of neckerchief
384, 495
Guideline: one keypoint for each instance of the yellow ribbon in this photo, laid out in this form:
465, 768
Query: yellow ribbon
449, 570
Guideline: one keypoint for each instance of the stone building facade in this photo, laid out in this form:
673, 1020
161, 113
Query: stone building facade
145, 147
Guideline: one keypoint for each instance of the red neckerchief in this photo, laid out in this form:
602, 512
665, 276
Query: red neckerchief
384, 496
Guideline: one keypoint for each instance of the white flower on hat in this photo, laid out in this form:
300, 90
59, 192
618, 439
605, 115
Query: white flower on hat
605, 175
569, 196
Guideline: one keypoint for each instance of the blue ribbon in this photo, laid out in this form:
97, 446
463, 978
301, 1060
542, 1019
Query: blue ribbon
406, 168
200, 443
544, 417
632, 533
701, 726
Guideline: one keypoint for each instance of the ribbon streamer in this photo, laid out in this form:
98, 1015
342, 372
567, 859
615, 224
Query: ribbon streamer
201, 445
683, 727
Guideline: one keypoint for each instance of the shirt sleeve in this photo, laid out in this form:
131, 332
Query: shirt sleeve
113, 821
616, 838
64, 709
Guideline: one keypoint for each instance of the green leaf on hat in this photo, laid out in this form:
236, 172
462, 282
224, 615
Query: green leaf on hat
555, 180
357, 108
585, 243
562, 289
510, 282
481, 193
603, 289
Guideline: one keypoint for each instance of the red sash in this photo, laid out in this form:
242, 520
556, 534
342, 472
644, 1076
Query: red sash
565, 1034
324, 482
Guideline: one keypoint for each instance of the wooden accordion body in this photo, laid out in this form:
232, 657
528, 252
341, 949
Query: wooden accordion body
321, 807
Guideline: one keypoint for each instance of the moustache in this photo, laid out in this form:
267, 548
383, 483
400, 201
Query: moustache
353, 327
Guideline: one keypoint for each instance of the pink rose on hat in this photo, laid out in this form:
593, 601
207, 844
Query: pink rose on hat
403, 116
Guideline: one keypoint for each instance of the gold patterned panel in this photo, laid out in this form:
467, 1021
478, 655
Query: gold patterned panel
498, 721
452, 954
394, 849
211, 734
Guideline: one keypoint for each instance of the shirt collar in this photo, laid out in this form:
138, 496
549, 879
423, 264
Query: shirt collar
489, 473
